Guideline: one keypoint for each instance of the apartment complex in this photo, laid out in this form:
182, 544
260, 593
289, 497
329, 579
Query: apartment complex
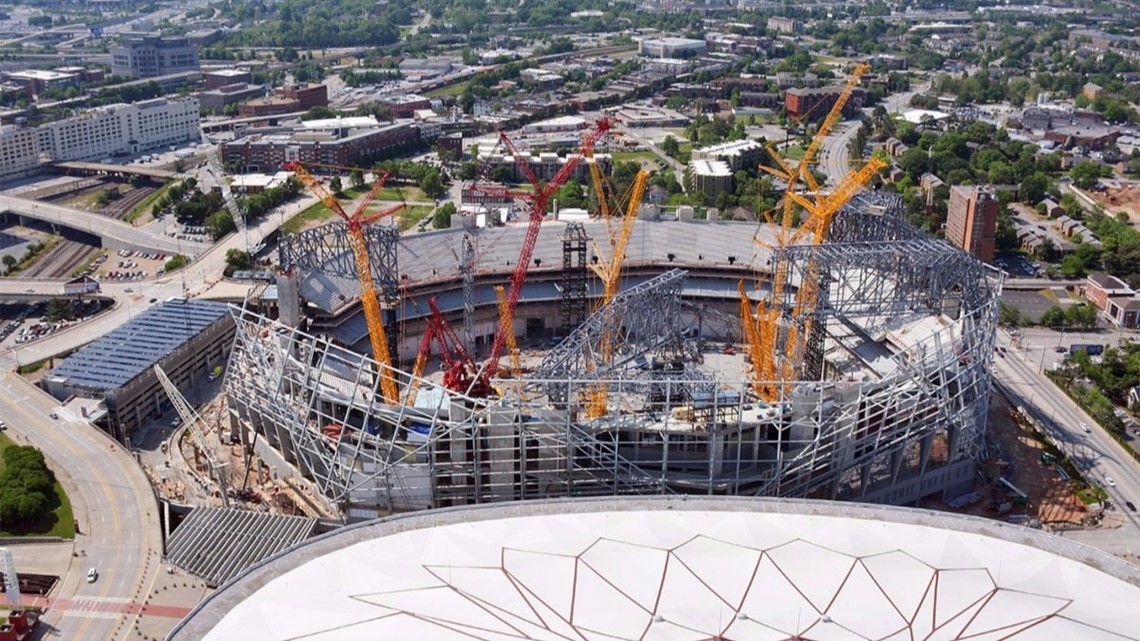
354, 141
120, 129
971, 220
710, 177
737, 154
814, 103
151, 56
19, 152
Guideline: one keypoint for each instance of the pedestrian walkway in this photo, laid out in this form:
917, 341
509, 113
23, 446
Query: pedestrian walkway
110, 608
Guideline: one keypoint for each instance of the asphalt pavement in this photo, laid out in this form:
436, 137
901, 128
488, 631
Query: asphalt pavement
111, 496
1094, 452
114, 505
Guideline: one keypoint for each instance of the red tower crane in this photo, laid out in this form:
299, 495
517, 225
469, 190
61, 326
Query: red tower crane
461, 374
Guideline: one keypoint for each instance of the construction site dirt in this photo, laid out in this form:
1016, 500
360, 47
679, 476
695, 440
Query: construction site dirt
1124, 198
1052, 500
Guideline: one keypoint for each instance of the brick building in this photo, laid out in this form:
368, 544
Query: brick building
288, 99
335, 146
815, 103
971, 220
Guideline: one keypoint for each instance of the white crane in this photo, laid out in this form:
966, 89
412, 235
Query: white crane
194, 423
215, 169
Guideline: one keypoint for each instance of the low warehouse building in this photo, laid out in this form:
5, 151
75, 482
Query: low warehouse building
187, 338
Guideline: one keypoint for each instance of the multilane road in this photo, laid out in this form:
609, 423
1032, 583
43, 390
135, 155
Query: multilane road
111, 496
1094, 452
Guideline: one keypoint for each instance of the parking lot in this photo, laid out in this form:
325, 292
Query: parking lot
1018, 265
132, 265
1032, 304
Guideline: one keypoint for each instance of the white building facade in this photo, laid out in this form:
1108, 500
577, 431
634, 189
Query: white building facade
121, 129
19, 151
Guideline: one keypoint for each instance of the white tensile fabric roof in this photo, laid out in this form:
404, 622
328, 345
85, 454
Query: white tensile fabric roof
687, 575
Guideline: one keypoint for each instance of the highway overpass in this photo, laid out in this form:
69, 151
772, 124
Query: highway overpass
114, 234
118, 171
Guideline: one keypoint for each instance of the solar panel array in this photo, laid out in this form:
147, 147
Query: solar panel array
132, 348
217, 544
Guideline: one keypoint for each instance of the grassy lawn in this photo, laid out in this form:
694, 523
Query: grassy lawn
412, 215
147, 203
315, 213
793, 152
643, 157
61, 521
684, 152
410, 193
450, 90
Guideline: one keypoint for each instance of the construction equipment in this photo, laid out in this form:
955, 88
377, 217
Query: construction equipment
775, 336
214, 168
609, 270
194, 423
512, 342
368, 297
542, 194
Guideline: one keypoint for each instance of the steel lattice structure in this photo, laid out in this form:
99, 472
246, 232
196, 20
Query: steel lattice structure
894, 407
326, 248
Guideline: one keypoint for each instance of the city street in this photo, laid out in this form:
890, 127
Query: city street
111, 497
1094, 452
113, 503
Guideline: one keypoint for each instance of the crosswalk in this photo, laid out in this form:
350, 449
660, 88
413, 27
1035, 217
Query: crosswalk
107, 608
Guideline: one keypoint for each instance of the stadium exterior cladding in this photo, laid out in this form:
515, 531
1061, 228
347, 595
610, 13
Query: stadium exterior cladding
893, 407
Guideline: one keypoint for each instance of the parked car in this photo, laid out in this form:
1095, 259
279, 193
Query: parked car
92, 575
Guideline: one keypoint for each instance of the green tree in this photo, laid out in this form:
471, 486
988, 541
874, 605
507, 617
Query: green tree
219, 224
336, 186
1010, 316
1083, 315
1085, 174
356, 178
432, 184
570, 196
1054, 317
441, 219
1034, 187
1071, 266
670, 146
237, 259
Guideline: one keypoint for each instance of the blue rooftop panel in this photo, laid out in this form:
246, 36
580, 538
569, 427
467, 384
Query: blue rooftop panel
132, 348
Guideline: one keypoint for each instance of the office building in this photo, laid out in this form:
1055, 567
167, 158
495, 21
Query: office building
336, 141
971, 220
671, 47
19, 151
151, 56
121, 129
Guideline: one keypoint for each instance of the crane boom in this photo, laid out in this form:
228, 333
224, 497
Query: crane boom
610, 270
833, 117
538, 212
370, 301
193, 423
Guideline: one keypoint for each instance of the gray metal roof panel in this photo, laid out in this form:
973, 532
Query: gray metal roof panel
132, 348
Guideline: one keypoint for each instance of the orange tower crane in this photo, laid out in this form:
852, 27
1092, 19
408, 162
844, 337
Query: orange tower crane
369, 300
609, 270
765, 324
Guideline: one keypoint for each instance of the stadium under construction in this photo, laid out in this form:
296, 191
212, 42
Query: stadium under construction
651, 391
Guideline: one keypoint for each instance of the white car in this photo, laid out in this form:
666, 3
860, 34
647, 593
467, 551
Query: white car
92, 575
1111, 483
1085, 427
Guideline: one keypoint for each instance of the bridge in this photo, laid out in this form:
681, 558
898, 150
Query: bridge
114, 234
118, 171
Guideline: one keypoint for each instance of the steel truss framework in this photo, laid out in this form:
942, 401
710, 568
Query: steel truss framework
327, 249
574, 287
904, 336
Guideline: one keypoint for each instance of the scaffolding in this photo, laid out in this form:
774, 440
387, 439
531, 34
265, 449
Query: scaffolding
901, 348
574, 288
